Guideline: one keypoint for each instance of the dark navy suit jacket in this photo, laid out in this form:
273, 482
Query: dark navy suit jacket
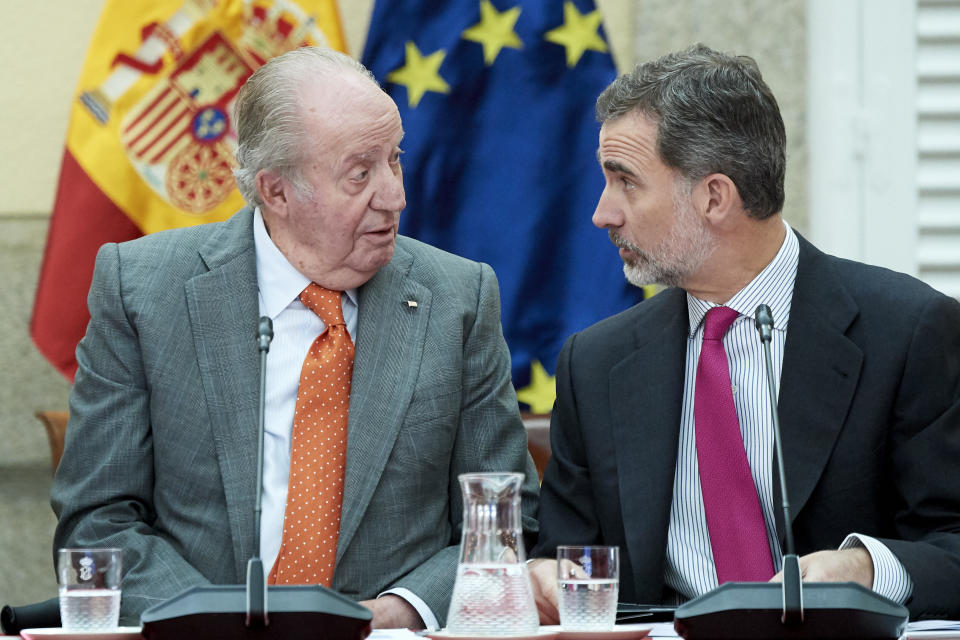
870, 411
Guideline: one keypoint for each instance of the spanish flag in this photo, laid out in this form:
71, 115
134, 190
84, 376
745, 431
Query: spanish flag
151, 139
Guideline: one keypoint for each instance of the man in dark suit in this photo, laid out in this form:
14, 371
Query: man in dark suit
867, 366
161, 449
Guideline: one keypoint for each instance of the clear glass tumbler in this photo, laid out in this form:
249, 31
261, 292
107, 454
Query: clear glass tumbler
588, 582
492, 595
89, 588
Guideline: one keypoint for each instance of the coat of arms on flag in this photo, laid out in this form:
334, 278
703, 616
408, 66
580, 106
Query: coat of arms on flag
150, 143
168, 100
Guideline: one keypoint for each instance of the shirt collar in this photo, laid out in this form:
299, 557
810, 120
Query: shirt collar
279, 282
773, 286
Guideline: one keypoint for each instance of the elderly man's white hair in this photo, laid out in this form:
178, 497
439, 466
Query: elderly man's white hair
268, 116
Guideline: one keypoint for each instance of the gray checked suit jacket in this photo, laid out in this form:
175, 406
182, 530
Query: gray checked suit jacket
160, 454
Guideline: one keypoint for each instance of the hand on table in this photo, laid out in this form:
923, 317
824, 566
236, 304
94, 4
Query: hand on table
393, 612
543, 576
847, 565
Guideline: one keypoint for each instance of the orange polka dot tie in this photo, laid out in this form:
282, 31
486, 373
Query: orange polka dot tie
318, 452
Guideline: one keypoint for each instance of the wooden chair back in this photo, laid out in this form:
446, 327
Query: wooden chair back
538, 439
55, 422
538, 436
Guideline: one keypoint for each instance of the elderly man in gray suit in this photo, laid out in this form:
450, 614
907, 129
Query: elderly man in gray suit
161, 448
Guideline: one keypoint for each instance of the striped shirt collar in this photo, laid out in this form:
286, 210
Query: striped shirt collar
773, 286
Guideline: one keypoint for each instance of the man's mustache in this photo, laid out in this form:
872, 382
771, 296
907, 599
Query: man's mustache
623, 243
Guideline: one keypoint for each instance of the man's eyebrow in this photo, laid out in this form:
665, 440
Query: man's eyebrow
616, 167
363, 157
357, 158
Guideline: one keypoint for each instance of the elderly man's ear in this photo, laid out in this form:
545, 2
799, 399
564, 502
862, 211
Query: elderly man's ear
272, 189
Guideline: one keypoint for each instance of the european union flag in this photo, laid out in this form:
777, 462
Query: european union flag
497, 100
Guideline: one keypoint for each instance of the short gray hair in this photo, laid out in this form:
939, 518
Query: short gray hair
268, 117
714, 114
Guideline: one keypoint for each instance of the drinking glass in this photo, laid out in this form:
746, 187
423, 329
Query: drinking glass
588, 581
89, 588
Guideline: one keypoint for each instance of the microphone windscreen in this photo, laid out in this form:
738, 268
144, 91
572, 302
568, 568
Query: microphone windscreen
30, 616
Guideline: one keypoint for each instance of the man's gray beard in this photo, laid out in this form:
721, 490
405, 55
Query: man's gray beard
686, 248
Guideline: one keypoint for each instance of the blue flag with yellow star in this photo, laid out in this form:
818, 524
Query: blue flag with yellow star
497, 100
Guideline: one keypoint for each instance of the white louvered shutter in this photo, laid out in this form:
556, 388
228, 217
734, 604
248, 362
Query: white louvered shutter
938, 144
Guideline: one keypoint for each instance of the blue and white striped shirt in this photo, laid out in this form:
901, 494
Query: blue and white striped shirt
689, 568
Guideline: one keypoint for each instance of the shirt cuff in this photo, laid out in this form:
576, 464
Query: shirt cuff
429, 620
890, 578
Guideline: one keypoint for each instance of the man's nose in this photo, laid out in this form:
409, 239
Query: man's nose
608, 212
390, 195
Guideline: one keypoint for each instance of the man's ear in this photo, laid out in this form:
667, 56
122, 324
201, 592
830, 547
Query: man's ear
273, 190
719, 200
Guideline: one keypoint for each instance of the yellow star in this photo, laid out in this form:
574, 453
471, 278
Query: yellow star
542, 390
494, 31
578, 33
420, 74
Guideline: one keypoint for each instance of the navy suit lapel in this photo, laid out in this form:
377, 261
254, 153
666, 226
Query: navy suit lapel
821, 368
646, 390
223, 311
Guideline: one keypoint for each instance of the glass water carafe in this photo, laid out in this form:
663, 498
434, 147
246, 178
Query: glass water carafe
492, 595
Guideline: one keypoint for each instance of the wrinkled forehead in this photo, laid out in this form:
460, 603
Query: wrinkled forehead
349, 120
336, 96
632, 136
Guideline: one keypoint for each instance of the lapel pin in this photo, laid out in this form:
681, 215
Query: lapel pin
412, 304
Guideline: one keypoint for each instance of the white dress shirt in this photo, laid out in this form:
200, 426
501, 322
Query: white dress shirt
689, 565
295, 327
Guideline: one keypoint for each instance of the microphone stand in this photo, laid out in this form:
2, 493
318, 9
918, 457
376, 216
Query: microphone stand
297, 612
257, 616
792, 579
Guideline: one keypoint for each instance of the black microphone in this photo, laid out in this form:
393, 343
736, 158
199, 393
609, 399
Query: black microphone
763, 321
13, 620
255, 610
792, 609
264, 337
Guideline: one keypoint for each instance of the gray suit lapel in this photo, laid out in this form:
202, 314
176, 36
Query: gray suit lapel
821, 368
646, 389
223, 314
390, 339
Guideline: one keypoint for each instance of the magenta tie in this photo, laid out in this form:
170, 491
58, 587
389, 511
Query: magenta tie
741, 551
